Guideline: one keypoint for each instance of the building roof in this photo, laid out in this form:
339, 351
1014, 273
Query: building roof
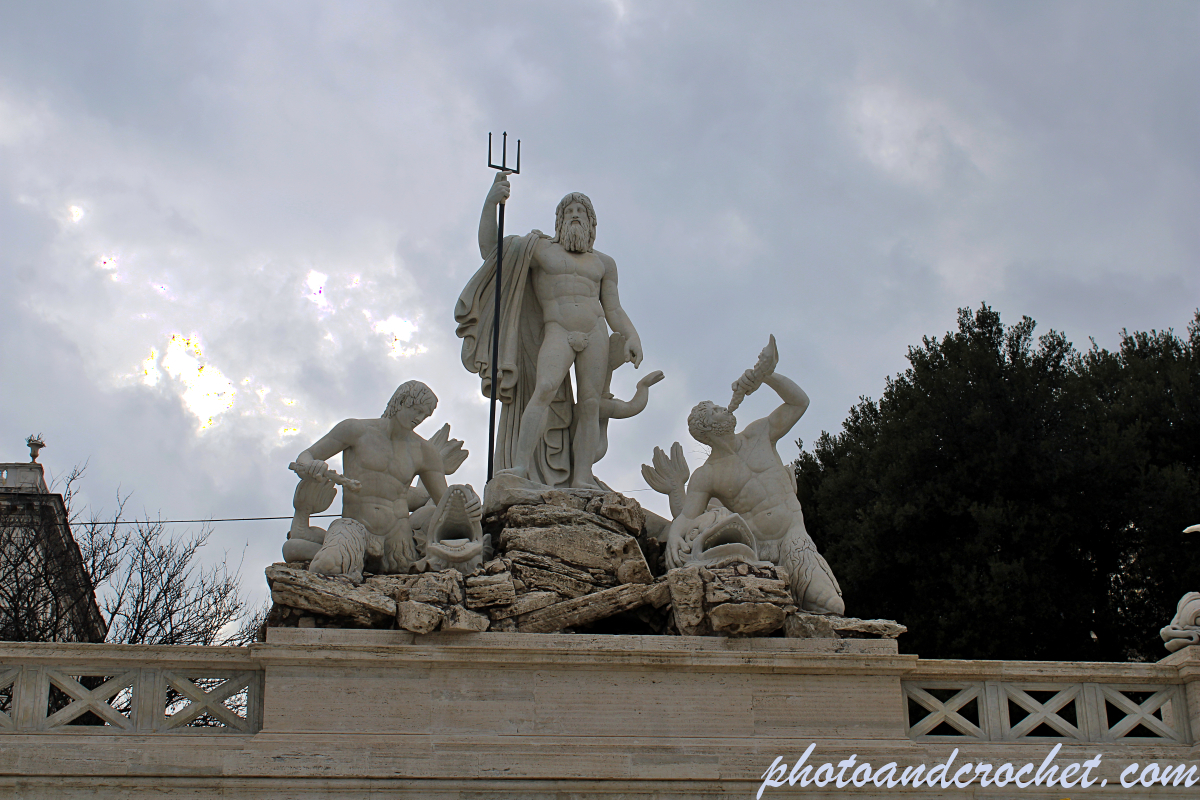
23, 477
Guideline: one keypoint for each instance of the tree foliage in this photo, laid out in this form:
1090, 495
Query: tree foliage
1014, 498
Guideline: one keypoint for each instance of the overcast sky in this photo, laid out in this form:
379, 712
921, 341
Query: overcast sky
226, 226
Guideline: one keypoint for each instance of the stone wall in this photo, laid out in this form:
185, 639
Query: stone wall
371, 713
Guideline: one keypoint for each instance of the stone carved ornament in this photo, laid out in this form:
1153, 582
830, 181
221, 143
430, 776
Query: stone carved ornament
742, 502
1184, 629
557, 299
388, 525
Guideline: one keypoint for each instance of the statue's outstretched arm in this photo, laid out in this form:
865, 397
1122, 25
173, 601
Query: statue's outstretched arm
312, 461
795, 403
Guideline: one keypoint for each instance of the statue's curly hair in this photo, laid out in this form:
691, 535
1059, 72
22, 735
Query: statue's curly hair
700, 421
412, 394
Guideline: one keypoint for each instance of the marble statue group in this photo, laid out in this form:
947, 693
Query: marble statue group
558, 299
559, 310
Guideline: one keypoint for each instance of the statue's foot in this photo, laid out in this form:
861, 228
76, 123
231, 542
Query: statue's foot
342, 551
520, 472
822, 598
585, 482
300, 550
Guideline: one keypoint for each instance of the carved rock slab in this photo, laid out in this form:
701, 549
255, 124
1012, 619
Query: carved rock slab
418, 617
579, 542
530, 601
746, 619
506, 491
821, 626
458, 618
394, 586
736, 599
329, 596
809, 626
687, 601
582, 610
490, 590
539, 572
443, 588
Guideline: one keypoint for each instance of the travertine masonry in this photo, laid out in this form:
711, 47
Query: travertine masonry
369, 713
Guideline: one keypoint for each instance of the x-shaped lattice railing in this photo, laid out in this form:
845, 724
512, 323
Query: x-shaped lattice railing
8, 677
1040, 713
143, 700
1141, 713
94, 700
211, 702
1161, 715
946, 712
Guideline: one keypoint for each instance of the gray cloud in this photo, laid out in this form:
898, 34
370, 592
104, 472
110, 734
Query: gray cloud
841, 175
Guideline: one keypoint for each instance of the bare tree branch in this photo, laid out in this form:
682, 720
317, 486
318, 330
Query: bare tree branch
149, 585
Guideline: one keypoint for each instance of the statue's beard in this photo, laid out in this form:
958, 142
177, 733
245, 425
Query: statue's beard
575, 238
718, 430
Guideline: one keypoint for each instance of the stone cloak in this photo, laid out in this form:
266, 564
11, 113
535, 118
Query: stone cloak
521, 323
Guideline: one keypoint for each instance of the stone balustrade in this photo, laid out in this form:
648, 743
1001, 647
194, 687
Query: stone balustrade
355, 713
123, 689
954, 701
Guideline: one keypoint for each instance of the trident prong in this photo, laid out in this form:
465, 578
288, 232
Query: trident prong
503, 165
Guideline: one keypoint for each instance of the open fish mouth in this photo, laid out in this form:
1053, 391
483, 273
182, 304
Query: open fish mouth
453, 522
454, 537
455, 550
728, 537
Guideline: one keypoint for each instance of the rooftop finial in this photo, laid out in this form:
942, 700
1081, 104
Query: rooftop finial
35, 444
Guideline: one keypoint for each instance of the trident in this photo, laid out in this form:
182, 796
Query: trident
503, 167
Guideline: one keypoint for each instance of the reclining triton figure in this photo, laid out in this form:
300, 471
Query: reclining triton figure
745, 474
381, 458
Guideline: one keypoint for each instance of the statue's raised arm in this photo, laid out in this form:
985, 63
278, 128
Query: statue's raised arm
795, 403
497, 194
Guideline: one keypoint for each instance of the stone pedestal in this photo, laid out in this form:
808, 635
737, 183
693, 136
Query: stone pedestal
384, 713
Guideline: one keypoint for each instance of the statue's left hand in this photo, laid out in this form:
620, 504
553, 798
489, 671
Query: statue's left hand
677, 550
474, 508
633, 352
314, 470
748, 383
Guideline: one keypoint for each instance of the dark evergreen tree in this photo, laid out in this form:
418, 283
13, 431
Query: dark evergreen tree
1137, 415
1007, 498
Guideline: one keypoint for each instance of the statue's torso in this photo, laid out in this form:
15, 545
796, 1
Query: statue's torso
754, 482
568, 286
386, 470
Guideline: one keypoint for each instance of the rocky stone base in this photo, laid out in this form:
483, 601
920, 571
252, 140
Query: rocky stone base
568, 560
827, 626
417, 603
733, 599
